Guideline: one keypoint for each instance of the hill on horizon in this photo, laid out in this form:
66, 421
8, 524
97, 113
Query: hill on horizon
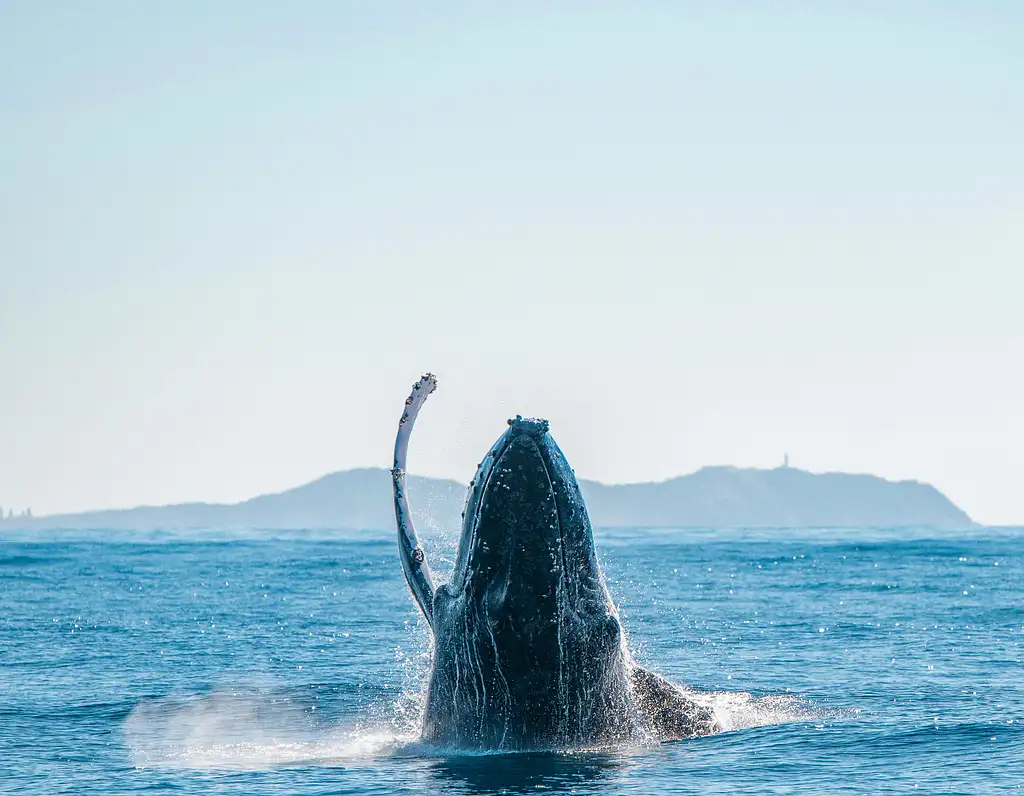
713, 497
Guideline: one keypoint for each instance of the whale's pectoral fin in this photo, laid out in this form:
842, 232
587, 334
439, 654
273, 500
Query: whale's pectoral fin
414, 563
672, 714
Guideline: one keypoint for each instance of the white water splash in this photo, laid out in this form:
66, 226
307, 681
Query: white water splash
739, 710
227, 730
231, 730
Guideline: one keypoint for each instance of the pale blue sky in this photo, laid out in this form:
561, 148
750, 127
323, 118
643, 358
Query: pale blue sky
232, 235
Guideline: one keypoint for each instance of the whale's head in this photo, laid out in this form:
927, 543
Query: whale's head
527, 642
527, 548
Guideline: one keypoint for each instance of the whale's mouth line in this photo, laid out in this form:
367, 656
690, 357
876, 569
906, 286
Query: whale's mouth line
471, 542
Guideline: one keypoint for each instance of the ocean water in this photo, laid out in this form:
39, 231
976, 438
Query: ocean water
839, 661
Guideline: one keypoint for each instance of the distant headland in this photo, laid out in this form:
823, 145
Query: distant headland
713, 497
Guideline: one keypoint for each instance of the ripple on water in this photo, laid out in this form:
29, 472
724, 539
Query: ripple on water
115, 652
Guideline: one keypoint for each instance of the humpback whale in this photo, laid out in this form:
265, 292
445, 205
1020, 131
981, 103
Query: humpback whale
529, 652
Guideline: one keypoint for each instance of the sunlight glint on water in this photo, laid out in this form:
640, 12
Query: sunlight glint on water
840, 661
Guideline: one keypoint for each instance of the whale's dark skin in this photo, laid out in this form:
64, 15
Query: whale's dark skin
528, 648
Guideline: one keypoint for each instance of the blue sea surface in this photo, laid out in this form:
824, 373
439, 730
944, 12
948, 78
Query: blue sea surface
839, 661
